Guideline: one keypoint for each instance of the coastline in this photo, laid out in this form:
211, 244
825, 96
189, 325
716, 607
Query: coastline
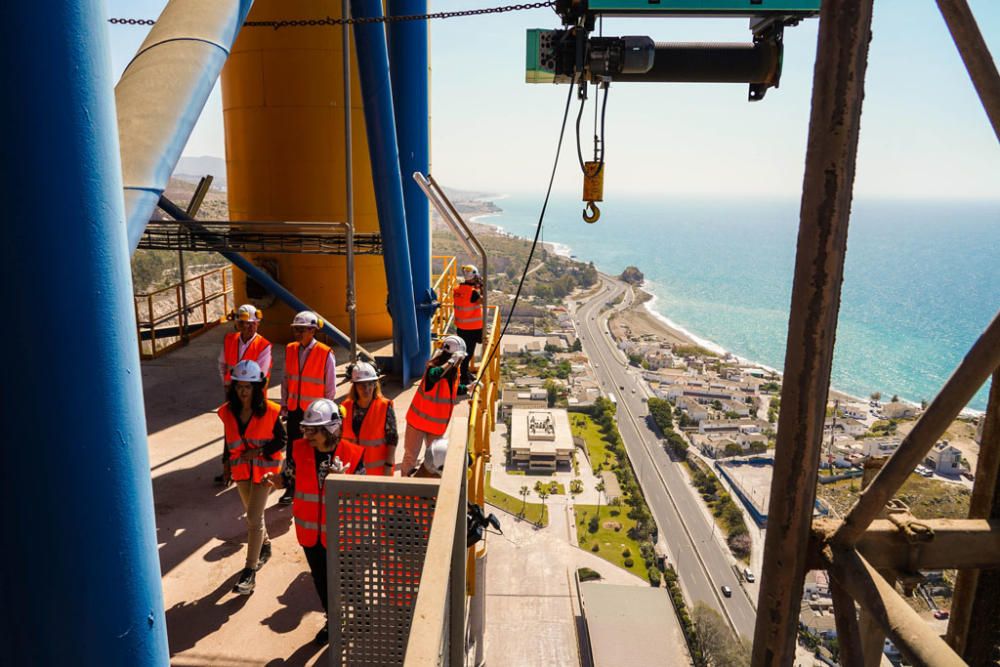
641, 318
645, 317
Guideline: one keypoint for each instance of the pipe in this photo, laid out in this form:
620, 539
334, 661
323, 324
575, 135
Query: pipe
711, 63
81, 578
373, 68
162, 92
352, 296
408, 68
463, 232
915, 639
261, 276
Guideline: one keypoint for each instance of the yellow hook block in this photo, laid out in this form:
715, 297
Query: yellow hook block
593, 189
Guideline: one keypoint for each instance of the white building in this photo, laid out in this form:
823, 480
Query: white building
900, 410
945, 458
879, 447
695, 411
541, 440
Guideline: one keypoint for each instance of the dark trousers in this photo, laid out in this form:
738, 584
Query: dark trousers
316, 557
471, 337
294, 430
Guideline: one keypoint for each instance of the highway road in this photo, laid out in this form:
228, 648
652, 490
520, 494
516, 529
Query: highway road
698, 556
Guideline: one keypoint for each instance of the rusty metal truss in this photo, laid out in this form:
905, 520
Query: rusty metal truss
864, 556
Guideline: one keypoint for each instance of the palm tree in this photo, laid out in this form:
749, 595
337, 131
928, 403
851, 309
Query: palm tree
600, 491
542, 495
524, 497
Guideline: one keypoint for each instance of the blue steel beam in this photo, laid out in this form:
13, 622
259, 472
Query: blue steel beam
376, 93
162, 92
408, 69
80, 584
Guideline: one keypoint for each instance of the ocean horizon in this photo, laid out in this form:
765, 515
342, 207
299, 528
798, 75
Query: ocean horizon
921, 280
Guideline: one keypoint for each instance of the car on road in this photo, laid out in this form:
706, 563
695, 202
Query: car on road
727, 591
633, 390
941, 614
622, 387
748, 575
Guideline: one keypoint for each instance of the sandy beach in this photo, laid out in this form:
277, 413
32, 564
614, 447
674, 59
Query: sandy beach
637, 321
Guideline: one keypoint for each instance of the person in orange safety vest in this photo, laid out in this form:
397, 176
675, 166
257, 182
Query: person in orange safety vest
321, 452
370, 420
243, 344
310, 373
469, 315
255, 442
438, 392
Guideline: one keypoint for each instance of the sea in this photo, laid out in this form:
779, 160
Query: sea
921, 281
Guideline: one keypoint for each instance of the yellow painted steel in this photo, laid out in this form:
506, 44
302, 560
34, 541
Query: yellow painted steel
283, 108
482, 421
444, 284
593, 189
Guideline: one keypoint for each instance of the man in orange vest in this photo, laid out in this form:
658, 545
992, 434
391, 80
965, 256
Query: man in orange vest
310, 373
370, 420
469, 315
321, 452
244, 344
437, 394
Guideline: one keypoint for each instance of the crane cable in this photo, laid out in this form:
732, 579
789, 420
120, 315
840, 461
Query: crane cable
538, 231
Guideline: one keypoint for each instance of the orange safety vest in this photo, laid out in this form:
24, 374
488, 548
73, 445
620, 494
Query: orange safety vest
468, 315
305, 385
372, 435
431, 410
309, 506
259, 432
231, 349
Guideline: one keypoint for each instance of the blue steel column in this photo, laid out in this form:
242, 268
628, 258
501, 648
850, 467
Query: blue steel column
408, 68
376, 93
80, 584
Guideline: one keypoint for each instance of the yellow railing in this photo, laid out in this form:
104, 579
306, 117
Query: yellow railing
482, 420
444, 283
165, 315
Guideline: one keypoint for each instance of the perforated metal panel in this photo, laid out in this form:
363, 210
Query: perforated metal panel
380, 527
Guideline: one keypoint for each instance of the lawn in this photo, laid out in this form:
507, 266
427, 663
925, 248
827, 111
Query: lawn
536, 513
611, 543
584, 427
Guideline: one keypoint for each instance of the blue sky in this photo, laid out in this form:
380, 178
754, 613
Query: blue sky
924, 133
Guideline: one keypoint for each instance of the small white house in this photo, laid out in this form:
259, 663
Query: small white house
945, 458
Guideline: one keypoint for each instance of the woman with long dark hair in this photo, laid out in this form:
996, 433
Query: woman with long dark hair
255, 443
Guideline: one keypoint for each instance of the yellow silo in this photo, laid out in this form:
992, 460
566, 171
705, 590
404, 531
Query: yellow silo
283, 108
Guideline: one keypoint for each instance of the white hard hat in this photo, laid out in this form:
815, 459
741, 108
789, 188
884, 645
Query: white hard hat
248, 313
322, 412
247, 371
470, 269
436, 453
308, 318
364, 372
453, 344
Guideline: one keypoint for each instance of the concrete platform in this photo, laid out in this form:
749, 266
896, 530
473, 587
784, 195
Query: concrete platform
202, 534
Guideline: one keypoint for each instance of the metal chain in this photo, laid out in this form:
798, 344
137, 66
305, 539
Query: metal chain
330, 21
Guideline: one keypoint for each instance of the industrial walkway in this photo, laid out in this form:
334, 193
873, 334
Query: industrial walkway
202, 535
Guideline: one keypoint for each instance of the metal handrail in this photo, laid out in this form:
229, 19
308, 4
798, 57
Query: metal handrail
450, 215
184, 306
444, 285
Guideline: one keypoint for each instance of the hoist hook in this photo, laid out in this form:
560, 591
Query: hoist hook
591, 213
